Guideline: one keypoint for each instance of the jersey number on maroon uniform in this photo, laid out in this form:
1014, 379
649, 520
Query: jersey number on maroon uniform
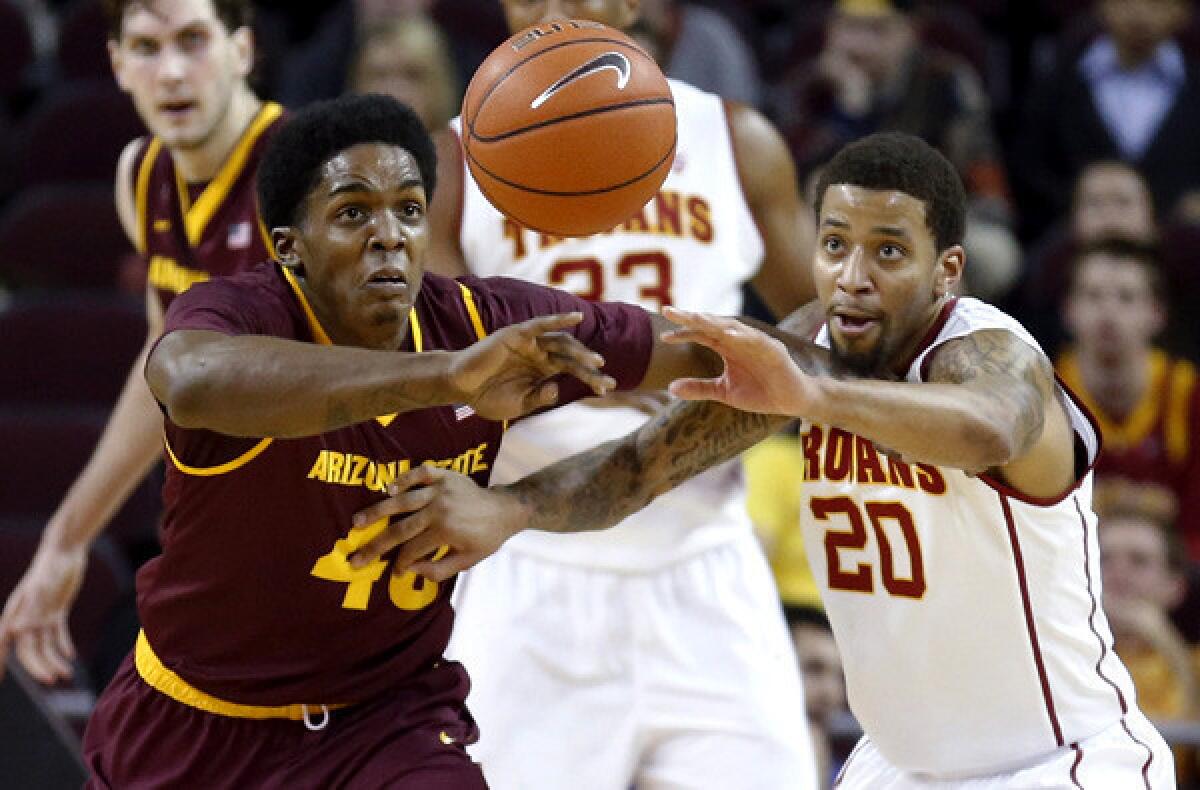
562, 273
408, 590
861, 579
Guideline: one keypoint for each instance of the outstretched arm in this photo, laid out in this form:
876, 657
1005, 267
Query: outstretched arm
250, 385
989, 403
592, 490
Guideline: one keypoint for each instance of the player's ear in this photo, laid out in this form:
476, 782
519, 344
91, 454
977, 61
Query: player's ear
117, 61
949, 270
243, 49
286, 243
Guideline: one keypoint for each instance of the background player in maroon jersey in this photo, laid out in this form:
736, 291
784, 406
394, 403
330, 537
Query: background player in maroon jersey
288, 410
185, 64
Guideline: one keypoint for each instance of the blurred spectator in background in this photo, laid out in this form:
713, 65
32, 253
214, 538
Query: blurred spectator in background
1111, 200
824, 682
874, 75
407, 58
1143, 569
1130, 95
699, 46
320, 67
1146, 402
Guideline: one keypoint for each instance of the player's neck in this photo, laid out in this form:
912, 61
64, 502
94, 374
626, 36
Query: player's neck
1117, 382
200, 164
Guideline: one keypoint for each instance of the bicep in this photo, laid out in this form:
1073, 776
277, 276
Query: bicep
445, 212
768, 179
1003, 374
123, 193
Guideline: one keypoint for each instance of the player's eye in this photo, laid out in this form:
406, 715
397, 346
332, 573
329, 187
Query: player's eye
352, 212
832, 245
143, 46
414, 210
190, 40
892, 252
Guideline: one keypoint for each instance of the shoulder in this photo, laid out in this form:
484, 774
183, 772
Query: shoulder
986, 353
125, 186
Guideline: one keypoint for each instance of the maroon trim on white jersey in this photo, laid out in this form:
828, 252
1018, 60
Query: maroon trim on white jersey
1031, 627
1092, 615
1003, 488
1075, 765
934, 330
1149, 753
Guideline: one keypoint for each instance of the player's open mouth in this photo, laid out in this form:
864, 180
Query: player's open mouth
388, 280
176, 109
853, 324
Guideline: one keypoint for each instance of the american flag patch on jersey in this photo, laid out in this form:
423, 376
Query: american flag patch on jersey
463, 412
240, 236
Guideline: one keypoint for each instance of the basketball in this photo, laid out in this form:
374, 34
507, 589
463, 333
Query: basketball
569, 128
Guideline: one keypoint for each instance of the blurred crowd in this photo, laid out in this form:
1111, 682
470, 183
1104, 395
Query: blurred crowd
1073, 124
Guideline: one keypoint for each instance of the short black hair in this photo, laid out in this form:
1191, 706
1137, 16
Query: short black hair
1147, 255
905, 163
292, 163
234, 14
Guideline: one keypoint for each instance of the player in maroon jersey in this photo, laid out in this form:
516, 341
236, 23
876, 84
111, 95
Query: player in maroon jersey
267, 658
185, 196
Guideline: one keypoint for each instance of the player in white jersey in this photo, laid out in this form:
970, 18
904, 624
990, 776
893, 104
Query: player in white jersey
654, 654
947, 491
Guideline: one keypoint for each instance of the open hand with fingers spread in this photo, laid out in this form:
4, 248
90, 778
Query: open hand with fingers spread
430, 508
760, 374
509, 373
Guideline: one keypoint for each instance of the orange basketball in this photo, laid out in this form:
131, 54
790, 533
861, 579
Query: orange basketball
569, 128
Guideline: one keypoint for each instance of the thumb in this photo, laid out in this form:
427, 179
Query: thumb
696, 389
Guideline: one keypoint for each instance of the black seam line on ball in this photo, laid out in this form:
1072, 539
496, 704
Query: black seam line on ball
598, 40
572, 117
584, 193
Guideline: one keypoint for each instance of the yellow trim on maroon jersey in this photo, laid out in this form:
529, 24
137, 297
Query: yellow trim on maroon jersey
220, 469
197, 216
319, 334
266, 234
141, 191
1183, 384
158, 677
167, 275
1134, 429
473, 311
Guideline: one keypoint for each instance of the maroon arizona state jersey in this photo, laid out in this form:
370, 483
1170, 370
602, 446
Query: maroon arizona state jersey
253, 600
188, 234
1158, 442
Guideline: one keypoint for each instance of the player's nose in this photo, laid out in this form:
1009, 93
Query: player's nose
388, 232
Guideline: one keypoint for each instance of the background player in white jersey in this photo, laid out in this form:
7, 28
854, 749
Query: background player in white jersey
654, 654
948, 483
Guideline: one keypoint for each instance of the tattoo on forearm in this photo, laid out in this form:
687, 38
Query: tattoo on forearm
1015, 376
602, 486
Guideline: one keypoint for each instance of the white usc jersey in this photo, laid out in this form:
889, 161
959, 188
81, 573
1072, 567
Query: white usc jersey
693, 245
968, 616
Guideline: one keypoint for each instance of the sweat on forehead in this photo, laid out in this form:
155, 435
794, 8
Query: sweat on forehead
306, 146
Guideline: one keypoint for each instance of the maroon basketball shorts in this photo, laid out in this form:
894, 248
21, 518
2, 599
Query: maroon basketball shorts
140, 737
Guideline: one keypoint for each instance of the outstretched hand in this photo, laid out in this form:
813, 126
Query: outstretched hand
509, 373
443, 523
759, 374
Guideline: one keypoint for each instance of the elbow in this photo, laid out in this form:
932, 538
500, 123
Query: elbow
992, 444
180, 383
